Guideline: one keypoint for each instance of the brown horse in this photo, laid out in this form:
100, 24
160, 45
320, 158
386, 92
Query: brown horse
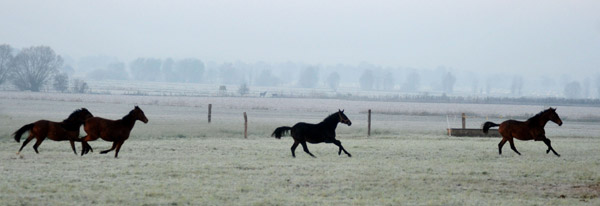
68, 129
315, 133
116, 131
532, 129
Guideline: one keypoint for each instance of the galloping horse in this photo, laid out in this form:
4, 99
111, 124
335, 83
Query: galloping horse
116, 131
532, 129
315, 133
68, 129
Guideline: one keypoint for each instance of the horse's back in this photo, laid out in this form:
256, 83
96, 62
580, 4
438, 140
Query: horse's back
95, 124
98, 121
308, 132
516, 129
302, 127
41, 127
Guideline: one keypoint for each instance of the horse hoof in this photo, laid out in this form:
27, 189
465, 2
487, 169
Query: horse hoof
18, 153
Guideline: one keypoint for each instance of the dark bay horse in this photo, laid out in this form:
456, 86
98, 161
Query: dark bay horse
68, 129
116, 131
532, 129
315, 133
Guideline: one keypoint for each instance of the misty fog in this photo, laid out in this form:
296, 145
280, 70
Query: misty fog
460, 48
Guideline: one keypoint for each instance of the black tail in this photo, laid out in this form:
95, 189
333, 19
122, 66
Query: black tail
280, 131
20, 132
487, 125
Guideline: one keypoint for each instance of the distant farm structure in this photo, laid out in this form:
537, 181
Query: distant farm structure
470, 132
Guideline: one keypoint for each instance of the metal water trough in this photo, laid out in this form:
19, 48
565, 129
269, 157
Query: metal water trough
464, 132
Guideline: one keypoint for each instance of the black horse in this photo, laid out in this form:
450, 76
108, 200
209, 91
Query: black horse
315, 133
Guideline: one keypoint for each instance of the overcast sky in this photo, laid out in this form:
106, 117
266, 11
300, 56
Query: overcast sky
554, 36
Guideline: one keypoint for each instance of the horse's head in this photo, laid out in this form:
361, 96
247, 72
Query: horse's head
139, 114
343, 118
553, 116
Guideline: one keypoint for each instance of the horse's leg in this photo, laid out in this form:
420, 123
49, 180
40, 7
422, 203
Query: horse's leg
73, 146
89, 147
339, 144
29, 138
500, 145
111, 149
294, 148
38, 142
512, 146
547, 141
306, 148
118, 148
85, 147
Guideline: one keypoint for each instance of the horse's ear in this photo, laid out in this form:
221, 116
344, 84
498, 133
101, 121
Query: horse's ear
342, 111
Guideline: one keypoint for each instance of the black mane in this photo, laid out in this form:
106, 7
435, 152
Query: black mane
332, 118
129, 116
71, 122
73, 115
536, 118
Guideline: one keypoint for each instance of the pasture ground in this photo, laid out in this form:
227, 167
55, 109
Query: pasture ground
178, 158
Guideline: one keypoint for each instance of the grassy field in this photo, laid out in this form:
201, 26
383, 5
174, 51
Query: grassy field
178, 158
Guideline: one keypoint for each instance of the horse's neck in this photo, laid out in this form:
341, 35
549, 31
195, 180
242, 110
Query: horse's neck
541, 121
128, 121
71, 125
329, 123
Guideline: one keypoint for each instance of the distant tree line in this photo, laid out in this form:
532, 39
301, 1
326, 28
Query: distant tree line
39, 68
34, 68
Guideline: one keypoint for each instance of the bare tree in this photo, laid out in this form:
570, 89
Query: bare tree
448, 81
412, 82
573, 90
61, 82
598, 85
333, 81
189, 70
243, 89
33, 66
367, 79
146, 69
388, 80
587, 83
309, 77
5, 60
266, 78
516, 86
80, 86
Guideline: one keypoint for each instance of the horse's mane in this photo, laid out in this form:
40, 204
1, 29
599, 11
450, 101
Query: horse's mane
536, 118
128, 116
332, 118
73, 115
70, 123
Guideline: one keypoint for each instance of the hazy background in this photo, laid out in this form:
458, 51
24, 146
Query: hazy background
546, 44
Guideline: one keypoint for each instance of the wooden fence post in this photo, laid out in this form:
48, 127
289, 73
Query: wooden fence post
209, 111
464, 120
369, 126
245, 125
